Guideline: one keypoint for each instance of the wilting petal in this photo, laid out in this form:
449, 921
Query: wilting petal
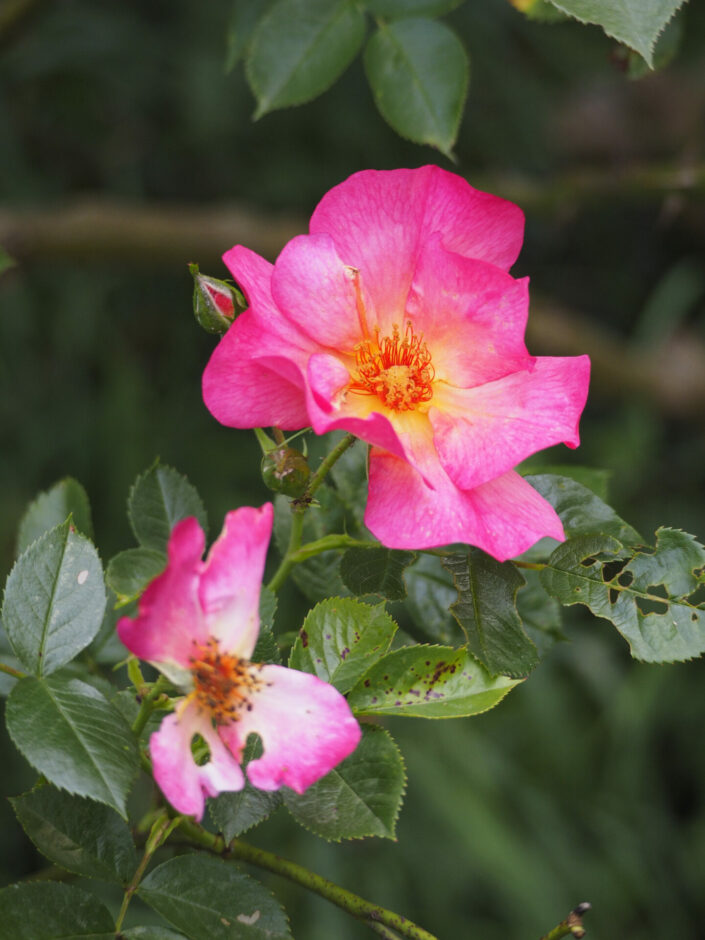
184, 783
169, 618
232, 576
472, 316
503, 517
306, 728
482, 432
378, 219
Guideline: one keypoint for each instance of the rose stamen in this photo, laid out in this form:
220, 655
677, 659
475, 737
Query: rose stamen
396, 369
223, 683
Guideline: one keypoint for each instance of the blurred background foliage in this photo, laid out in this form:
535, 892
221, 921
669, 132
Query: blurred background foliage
586, 783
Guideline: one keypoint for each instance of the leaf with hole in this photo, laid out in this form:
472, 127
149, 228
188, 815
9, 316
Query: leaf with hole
645, 594
54, 600
361, 797
71, 734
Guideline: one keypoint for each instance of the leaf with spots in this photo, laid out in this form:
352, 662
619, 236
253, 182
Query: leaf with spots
361, 797
428, 682
160, 498
51, 508
340, 639
54, 600
647, 594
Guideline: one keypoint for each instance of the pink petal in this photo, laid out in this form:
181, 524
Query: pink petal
503, 517
482, 432
472, 316
183, 782
255, 375
169, 617
379, 219
232, 576
306, 728
317, 292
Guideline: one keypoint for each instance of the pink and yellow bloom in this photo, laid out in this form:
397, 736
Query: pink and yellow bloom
395, 319
198, 622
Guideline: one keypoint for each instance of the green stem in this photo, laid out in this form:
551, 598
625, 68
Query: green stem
533, 566
279, 436
148, 705
572, 926
299, 507
12, 672
160, 832
369, 914
329, 543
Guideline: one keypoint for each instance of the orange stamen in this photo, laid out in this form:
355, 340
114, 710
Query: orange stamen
223, 682
397, 369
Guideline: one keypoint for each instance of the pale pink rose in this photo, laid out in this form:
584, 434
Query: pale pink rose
395, 319
198, 622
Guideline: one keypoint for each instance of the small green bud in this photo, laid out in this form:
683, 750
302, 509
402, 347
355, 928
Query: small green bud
286, 471
215, 303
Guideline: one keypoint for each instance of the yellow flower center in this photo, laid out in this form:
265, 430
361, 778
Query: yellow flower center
223, 682
397, 369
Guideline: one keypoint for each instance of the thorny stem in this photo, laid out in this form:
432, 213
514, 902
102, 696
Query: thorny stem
12, 672
159, 833
367, 913
572, 926
299, 507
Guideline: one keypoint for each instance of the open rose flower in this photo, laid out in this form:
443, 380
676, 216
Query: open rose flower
198, 622
395, 319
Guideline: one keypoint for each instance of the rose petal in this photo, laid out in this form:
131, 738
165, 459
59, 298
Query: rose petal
184, 783
306, 728
169, 618
503, 517
482, 432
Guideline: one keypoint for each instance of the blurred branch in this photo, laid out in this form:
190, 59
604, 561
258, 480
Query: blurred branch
572, 926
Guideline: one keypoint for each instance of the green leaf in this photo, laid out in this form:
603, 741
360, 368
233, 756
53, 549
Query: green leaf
401, 9
376, 571
129, 572
267, 607
300, 47
71, 734
636, 23
244, 16
645, 594
340, 639
430, 592
77, 834
54, 600
361, 797
350, 477
581, 511
428, 682
539, 613
151, 933
211, 900
6, 261
236, 812
594, 478
419, 72
51, 508
159, 499
486, 610
47, 910
7, 682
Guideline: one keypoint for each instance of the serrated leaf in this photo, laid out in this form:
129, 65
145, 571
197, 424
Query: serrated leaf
236, 812
361, 797
643, 593
7, 682
300, 47
211, 900
244, 16
340, 639
376, 571
77, 834
51, 508
486, 610
419, 72
54, 600
396, 9
581, 511
430, 592
428, 682
159, 499
47, 910
71, 734
636, 23
129, 572
540, 614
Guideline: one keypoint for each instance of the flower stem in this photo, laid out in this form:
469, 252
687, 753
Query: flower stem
329, 543
367, 913
533, 566
159, 833
12, 672
572, 926
148, 705
299, 507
